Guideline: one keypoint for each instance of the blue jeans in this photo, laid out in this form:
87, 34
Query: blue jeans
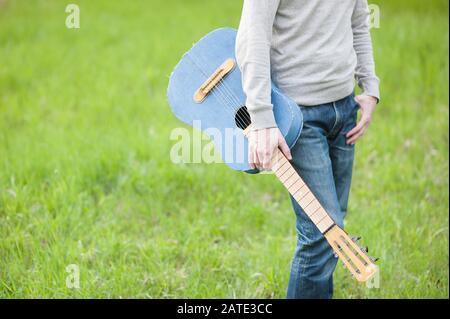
325, 162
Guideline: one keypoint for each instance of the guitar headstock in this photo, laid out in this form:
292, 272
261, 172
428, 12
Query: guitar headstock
354, 257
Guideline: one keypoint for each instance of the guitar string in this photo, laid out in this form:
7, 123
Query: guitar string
246, 116
244, 120
232, 99
229, 91
226, 101
226, 98
229, 107
232, 95
235, 98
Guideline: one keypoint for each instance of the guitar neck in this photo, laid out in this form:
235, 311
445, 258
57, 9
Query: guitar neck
286, 173
354, 258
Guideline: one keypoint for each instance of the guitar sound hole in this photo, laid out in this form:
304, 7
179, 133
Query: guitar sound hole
242, 118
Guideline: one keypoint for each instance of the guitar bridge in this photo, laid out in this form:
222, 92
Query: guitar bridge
213, 80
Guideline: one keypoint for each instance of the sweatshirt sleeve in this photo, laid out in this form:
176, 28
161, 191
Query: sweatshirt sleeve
362, 43
253, 57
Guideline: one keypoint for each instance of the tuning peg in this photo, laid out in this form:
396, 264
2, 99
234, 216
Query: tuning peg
364, 249
355, 238
373, 259
336, 255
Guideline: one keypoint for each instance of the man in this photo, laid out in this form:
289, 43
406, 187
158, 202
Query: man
313, 51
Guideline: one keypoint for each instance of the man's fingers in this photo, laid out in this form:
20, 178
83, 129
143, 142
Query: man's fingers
367, 105
251, 158
262, 146
267, 163
263, 155
356, 129
354, 139
357, 136
262, 158
256, 159
360, 126
285, 149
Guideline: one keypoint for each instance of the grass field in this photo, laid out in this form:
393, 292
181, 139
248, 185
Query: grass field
86, 178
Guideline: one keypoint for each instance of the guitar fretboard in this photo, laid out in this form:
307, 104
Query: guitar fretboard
286, 173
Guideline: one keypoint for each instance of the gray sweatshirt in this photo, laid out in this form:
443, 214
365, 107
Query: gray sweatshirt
312, 49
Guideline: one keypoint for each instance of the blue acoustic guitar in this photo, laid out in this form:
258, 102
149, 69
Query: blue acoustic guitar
206, 86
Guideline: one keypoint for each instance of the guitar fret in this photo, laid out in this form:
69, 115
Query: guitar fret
277, 166
296, 186
291, 181
318, 207
321, 212
281, 163
323, 217
316, 218
287, 175
289, 170
279, 160
282, 169
305, 201
282, 159
306, 207
312, 207
301, 194
325, 224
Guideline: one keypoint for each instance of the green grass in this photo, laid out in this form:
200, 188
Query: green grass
86, 179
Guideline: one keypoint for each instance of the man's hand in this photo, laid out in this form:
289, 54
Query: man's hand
367, 104
262, 146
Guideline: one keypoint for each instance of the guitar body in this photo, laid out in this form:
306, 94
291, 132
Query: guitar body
224, 107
